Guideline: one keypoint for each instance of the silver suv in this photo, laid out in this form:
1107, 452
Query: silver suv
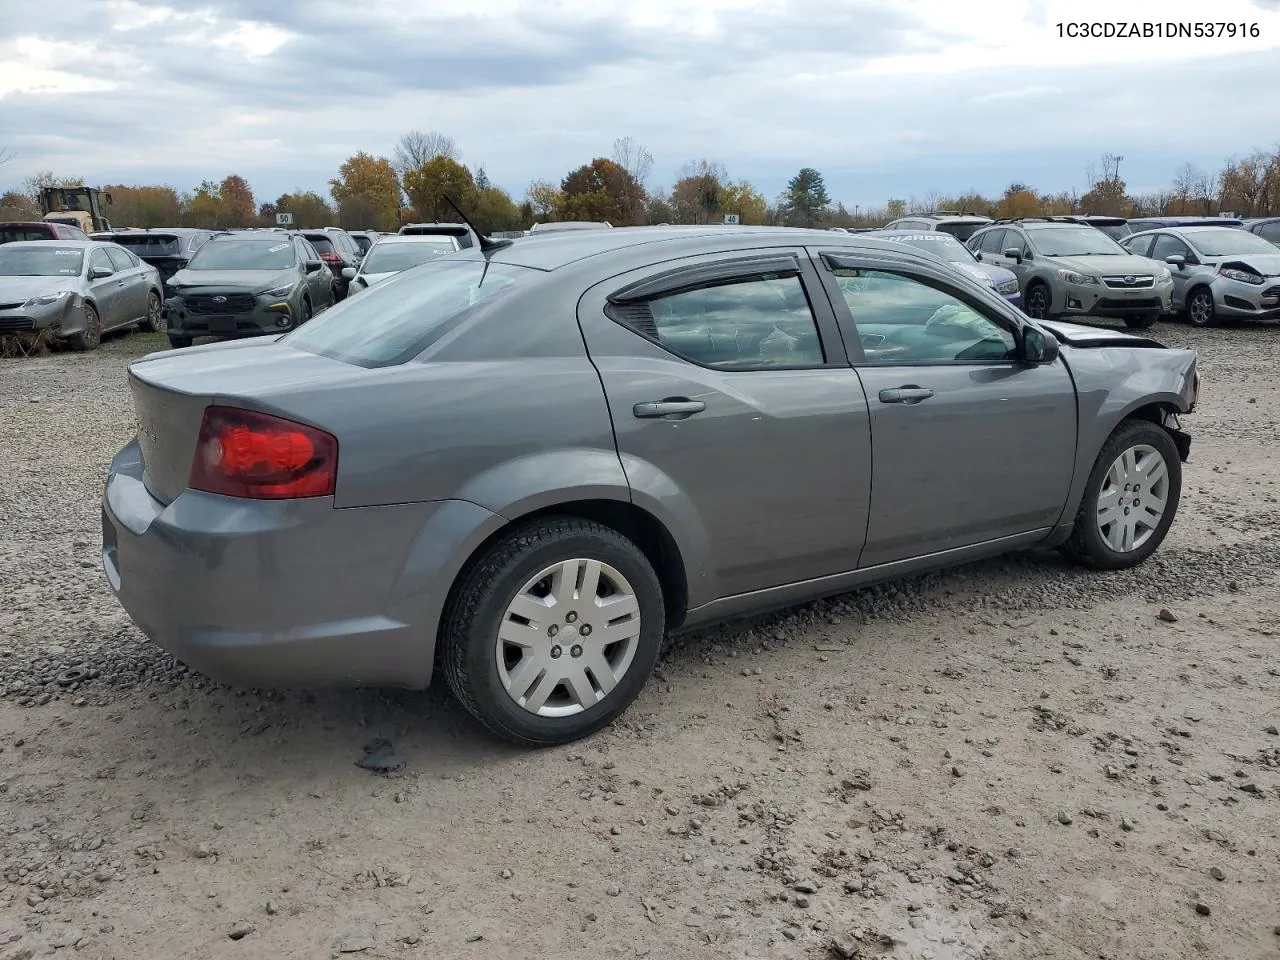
1068, 269
960, 225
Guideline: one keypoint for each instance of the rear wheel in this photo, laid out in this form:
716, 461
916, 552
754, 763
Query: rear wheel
553, 631
1142, 322
178, 340
1037, 302
155, 314
1200, 309
1130, 500
91, 335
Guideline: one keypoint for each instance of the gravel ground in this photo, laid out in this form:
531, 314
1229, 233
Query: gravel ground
1014, 759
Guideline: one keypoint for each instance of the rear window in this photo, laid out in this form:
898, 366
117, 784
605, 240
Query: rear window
961, 231
13, 234
322, 243
364, 243
395, 321
151, 244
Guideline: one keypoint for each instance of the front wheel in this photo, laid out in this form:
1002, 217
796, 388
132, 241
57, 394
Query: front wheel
553, 631
178, 341
1037, 302
91, 335
1141, 322
1200, 308
1130, 500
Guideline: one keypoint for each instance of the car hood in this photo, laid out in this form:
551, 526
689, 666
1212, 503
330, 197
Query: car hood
982, 272
1263, 263
232, 279
372, 278
1079, 335
1108, 265
24, 288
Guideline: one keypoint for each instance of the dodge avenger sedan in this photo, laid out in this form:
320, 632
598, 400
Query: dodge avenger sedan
527, 463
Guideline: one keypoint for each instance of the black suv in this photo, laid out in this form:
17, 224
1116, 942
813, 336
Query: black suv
339, 251
168, 250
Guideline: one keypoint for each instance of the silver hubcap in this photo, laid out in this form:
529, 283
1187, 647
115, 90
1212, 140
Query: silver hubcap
1133, 498
1201, 309
153, 314
568, 638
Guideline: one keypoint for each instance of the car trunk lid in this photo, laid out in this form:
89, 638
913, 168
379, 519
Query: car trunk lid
172, 389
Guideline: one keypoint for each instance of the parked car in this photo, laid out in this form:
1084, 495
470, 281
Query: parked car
459, 231
960, 225
246, 284
529, 462
1268, 228
14, 231
946, 247
1117, 228
1143, 224
1217, 271
1072, 270
564, 226
364, 239
168, 249
395, 254
338, 251
78, 288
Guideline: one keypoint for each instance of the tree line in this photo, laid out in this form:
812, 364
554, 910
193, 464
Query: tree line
382, 193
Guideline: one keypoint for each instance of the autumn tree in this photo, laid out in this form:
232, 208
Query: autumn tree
1019, 200
43, 179
659, 209
309, 209
495, 210
807, 198
698, 194
416, 149
237, 201
544, 199
203, 207
600, 190
367, 192
145, 206
429, 184
15, 205
637, 161
740, 197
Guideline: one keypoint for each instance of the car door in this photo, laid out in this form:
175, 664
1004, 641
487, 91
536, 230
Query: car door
734, 408
133, 300
1169, 245
319, 280
108, 290
968, 444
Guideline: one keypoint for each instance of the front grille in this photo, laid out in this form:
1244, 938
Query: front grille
16, 324
1120, 283
1266, 294
1145, 303
204, 303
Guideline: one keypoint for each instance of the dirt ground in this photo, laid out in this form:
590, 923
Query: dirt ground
1017, 759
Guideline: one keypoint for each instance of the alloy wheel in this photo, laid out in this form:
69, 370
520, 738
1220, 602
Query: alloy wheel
568, 637
1133, 498
1200, 309
155, 313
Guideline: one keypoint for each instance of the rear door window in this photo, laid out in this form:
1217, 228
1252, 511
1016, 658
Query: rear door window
993, 242
1140, 246
1270, 231
1167, 245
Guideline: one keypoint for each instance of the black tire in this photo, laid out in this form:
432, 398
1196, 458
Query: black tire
478, 604
1143, 322
91, 336
307, 312
177, 341
155, 315
1200, 309
1087, 545
1038, 301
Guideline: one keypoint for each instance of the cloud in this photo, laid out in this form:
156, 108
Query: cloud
869, 91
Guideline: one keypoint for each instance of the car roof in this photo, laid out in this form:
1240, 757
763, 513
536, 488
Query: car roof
27, 223
417, 238
554, 250
950, 217
264, 235
899, 232
79, 244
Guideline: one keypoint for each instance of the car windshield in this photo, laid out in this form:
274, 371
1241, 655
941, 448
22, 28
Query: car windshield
150, 244
45, 261
961, 230
395, 257
1074, 242
1229, 242
243, 255
12, 234
939, 244
394, 321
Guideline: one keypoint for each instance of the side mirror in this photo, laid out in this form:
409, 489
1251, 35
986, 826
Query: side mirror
1038, 348
1013, 253
100, 273
348, 273
1176, 260
313, 266
977, 254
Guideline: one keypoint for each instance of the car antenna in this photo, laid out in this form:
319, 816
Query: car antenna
487, 244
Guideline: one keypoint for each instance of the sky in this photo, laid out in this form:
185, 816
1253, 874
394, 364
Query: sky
887, 98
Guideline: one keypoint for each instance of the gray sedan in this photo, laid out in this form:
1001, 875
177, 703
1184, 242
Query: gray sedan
78, 288
1217, 271
528, 463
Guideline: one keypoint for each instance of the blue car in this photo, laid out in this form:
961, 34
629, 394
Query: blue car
948, 248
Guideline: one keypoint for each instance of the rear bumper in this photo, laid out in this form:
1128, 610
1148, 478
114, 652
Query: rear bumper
276, 594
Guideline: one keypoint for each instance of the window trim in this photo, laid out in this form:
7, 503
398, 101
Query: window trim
928, 276
724, 269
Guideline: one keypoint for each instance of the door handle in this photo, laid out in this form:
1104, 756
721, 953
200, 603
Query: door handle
673, 408
907, 394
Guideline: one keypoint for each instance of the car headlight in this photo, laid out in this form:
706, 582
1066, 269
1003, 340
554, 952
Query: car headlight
1242, 275
1070, 276
1162, 275
47, 299
1008, 287
281, 291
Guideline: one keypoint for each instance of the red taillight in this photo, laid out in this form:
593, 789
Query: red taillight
243, 453
330, 258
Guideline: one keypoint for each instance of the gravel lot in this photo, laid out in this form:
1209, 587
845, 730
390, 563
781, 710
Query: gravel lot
1015, 759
